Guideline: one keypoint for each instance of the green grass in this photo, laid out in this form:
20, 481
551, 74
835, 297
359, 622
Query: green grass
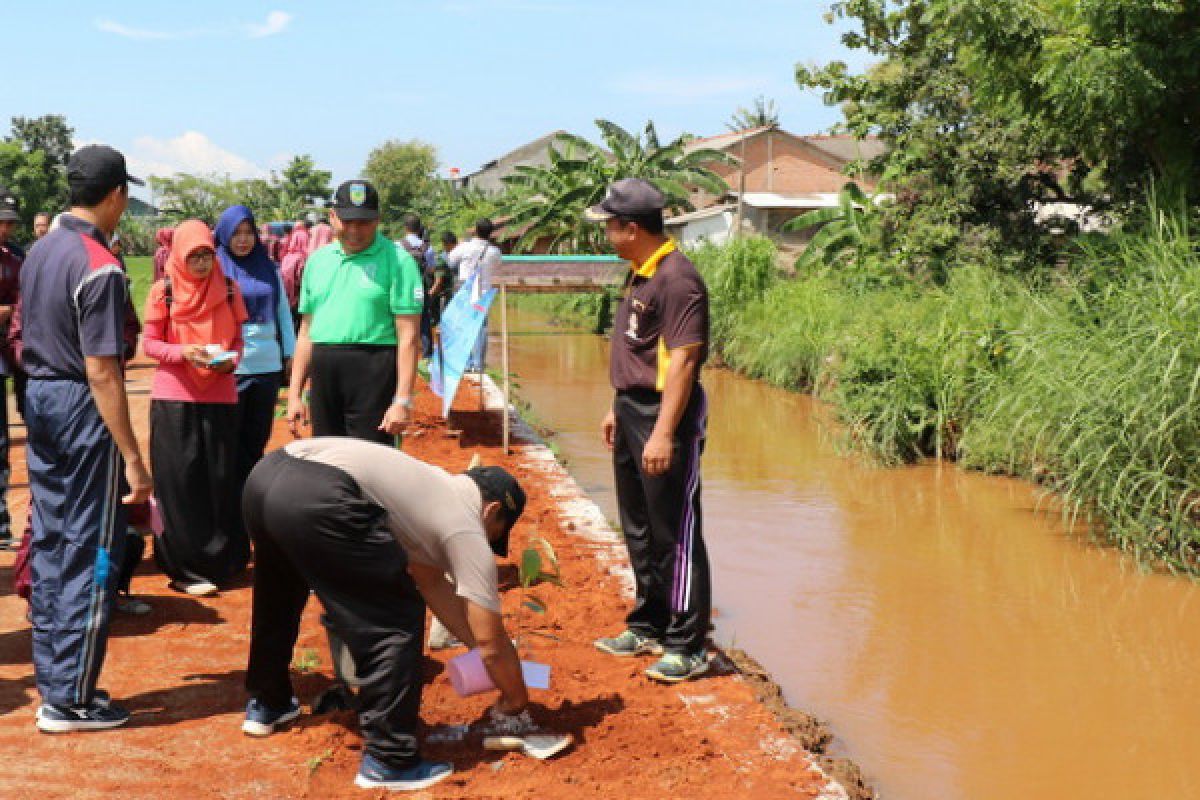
141, 276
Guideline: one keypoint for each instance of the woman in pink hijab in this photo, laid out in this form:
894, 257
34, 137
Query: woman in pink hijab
295, 254
322, 234
163, 238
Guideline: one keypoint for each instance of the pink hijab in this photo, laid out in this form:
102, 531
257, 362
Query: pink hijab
322, 234
297, 243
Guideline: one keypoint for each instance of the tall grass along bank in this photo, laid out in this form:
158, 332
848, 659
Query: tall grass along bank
1090, 386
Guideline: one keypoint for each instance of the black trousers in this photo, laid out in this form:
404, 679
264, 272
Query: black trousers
661, 521
351, 389
257, 397
193, 449
5, 466
314, 529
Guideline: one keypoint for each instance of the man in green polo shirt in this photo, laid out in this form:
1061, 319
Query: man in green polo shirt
360, 303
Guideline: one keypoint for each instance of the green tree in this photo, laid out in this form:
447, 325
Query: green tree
761, 114
301, 181
50, 133
202, 197
993, 108
25, 175
46, 141
548, 202
404, 173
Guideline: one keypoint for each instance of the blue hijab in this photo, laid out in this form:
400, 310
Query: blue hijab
256, 274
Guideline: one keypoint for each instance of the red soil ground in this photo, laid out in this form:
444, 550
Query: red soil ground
180, 671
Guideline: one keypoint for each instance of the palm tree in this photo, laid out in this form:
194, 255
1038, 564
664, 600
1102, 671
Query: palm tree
843, 231
548, 202
763, 114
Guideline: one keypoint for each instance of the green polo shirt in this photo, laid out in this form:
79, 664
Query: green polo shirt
354, 299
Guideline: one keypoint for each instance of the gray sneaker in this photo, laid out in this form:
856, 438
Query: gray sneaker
676, 667
628, 643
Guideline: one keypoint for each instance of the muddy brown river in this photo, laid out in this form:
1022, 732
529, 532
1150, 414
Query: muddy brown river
961, 643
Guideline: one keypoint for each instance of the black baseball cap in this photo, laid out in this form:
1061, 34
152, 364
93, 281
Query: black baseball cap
99, 166
630, 197
496, 484
356, 199
8, 206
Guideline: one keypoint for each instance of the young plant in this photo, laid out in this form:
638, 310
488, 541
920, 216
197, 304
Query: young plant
532, 570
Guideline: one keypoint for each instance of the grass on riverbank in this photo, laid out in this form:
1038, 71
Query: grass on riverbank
1089, 387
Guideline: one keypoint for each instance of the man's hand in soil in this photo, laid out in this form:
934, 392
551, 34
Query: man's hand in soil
510, 723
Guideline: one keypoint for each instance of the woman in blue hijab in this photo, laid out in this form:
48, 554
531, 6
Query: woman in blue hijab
268, 333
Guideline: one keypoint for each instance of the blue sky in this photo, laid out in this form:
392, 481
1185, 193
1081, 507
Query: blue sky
239, 87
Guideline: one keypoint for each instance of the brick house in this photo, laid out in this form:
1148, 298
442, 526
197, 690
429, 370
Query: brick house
782, 175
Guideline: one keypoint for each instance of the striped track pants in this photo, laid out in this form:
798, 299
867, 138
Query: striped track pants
74, 475
662, 523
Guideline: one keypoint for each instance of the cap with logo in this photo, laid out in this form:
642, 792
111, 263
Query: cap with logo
8, 206
99, 167
496, 484
356, 199
629, 197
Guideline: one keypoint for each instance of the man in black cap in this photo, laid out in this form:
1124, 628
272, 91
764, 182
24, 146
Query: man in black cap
74, 295
656, 431
377, 534
11, 258
360, 304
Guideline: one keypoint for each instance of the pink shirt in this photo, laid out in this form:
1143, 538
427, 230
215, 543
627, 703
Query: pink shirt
172, 378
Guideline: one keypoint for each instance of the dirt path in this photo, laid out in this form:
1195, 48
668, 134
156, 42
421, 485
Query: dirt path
180, 671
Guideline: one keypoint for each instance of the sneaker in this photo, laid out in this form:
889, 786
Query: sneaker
196, 588
676, 667
628, 643
96, 716
373, 774
128, 604
99, 698
440, 637
263, 721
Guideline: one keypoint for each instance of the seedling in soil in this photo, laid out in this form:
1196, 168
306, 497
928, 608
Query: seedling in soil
306, 661
539, 563
315, 762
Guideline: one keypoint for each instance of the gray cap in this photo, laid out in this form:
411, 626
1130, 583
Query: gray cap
630, 197
8, 206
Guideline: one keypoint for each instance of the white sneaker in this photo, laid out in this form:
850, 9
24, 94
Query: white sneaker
196, 589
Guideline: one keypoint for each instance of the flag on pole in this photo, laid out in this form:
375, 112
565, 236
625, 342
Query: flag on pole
462, 321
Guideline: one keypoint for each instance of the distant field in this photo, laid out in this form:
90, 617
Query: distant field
141, 274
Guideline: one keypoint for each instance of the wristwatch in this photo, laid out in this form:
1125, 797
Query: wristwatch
406, 402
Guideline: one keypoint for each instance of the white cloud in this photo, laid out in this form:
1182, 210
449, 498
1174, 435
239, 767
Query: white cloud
191, 152
670, 88
275, 23
109, 26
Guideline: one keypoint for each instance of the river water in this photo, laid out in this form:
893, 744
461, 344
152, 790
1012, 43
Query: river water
961, 643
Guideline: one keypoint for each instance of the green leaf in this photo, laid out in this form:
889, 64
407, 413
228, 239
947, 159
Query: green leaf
531, 567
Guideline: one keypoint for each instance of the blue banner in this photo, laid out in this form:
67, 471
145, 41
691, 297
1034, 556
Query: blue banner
462, 321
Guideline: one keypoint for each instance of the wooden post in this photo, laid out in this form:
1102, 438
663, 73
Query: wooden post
504, 358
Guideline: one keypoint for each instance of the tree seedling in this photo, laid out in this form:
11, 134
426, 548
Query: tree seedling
306, 660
